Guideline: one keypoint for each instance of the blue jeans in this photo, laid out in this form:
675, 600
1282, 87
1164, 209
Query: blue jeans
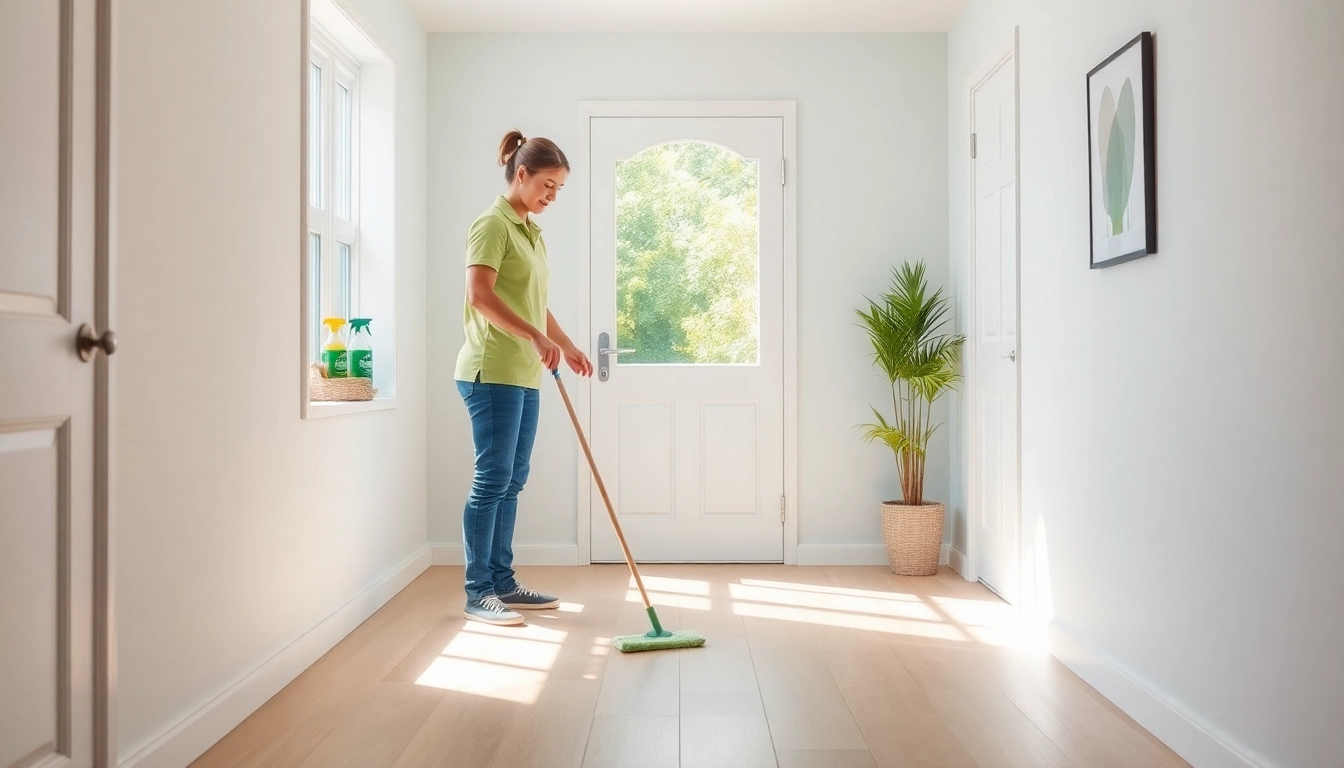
503, 428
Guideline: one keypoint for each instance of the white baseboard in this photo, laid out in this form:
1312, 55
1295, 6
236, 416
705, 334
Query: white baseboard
1197, 743
955, 558
189, 739
523, 554
848, 554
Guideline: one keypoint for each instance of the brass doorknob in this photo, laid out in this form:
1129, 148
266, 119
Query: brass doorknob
89, 342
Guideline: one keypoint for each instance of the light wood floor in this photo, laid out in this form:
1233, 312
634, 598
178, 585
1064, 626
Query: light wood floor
805, 667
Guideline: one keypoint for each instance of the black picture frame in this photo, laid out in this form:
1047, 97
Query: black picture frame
1116, 234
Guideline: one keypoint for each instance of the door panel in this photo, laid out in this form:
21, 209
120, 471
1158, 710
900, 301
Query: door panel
30, 155
48, 239
995, 332
34, 516
686, 274
730, 456
647, 447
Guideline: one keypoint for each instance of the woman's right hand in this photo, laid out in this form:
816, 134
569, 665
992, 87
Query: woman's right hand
547, 350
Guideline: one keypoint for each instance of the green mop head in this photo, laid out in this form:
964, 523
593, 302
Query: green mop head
632, 643
658, 639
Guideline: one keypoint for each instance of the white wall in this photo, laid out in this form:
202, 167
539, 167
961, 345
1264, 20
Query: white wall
872, 191
240, 526
1181, 414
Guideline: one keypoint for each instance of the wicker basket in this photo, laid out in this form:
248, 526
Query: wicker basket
914, 537
320, 388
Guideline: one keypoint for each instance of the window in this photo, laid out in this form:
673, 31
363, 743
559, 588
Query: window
349, 201
333, 186
687, 256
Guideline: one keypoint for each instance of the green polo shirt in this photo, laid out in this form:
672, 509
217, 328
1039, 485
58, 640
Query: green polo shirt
501, 240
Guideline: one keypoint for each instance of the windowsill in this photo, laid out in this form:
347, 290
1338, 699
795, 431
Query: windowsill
323, 409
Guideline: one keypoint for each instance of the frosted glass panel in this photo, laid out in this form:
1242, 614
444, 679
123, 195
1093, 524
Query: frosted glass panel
314, 135
315, 295
343, 302
343, 129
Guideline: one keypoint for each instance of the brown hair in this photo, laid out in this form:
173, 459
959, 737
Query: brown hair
535, 154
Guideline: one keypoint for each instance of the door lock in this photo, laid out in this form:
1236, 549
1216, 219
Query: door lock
603, 367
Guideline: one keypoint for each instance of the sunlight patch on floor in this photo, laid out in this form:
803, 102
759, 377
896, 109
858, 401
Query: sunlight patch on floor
667, 584
598, 653
833, 602
671, 600
526, 632
522, 686
509, 663
1003, 637
983, 621
869, 622
515, 651
795, 587
978, 613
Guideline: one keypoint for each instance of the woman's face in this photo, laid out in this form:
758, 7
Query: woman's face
538, 189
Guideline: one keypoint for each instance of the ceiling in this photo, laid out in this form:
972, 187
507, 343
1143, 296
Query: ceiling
687, 15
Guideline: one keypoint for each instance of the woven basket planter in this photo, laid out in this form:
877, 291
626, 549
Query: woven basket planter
320, 388
914, 537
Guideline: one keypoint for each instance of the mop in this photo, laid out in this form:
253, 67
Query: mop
656, 639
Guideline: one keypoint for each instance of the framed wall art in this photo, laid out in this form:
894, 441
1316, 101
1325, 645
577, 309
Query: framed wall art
1122, 158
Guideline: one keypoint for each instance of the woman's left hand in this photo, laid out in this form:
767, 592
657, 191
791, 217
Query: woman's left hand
577, 360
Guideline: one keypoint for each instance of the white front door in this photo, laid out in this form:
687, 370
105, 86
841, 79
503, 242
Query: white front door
686, 269
49, 232
995, 333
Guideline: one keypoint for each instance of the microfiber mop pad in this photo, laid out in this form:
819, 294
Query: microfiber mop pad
658, 639
681, 639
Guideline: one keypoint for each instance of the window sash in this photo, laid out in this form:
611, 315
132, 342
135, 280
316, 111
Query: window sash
337, 266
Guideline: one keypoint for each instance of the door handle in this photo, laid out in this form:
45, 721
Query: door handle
604, 351
89, 342
1011, 355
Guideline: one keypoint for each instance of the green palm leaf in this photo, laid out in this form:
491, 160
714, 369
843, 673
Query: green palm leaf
921, 363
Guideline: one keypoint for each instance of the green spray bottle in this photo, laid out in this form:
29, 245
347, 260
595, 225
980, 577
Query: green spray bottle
361, 349
334, 355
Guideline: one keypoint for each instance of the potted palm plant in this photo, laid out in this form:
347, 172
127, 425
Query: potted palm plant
921, 363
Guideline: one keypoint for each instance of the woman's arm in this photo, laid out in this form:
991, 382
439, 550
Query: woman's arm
573, 355
555, 332
481, 296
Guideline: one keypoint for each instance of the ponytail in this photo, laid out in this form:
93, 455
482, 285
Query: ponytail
516, 150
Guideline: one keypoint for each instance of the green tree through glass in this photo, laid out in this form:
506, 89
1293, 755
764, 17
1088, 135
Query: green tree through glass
687, 255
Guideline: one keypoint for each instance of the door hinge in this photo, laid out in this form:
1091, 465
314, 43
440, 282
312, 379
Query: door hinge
781, 509
781, 171
972, 146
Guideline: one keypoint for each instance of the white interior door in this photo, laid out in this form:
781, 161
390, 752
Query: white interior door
686, 269
994, 188
48, 236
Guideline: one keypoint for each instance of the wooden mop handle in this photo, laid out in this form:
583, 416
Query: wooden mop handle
602, 489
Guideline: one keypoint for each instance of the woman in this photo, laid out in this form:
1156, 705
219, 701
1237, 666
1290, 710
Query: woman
510, 338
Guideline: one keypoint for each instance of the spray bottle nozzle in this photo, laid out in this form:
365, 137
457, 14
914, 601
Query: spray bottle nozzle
361, 324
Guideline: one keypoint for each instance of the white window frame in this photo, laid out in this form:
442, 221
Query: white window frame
338, 68
340, 40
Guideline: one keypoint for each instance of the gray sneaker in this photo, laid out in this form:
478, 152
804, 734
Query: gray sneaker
523, 598
490, 610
